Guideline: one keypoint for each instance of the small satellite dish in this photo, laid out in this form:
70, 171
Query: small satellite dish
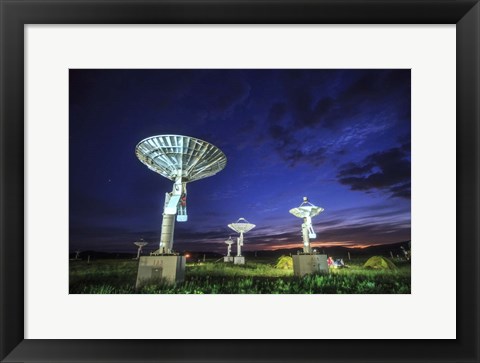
229, 243
182, 159
77, 255
307, 210
241, 226
140, 245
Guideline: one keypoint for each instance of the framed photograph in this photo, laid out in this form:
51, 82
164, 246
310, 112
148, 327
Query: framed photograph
239, 181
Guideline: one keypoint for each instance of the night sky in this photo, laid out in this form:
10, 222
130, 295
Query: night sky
339, 137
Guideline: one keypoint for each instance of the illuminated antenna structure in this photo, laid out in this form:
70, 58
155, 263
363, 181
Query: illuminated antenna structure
241, 226
140, 245
182, 159
228, 257
229, 243
306, 211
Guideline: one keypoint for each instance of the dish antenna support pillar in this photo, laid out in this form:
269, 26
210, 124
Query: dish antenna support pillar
239, 245
175, 205
307, 233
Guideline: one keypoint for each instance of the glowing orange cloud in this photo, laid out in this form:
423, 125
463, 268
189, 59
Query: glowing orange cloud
346, 244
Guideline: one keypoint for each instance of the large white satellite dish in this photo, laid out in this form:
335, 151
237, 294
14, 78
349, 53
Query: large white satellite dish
181, 159
176, 156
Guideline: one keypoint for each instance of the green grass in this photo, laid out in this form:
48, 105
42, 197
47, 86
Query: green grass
250, 269
257, 276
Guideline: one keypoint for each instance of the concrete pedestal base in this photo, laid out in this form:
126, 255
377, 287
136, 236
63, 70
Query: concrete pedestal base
309, 264
228, 259
167, 269
239, 260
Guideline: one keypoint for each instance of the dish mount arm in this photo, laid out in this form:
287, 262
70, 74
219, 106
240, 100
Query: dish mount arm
176, 201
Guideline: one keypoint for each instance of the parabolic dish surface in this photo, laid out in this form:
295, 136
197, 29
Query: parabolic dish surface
168, 155
241, 226
306, 211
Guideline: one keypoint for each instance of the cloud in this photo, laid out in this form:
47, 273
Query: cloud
294, 148
373, 93
388, 171
343, 229
358, 94
317, 120
340, 234
375, 232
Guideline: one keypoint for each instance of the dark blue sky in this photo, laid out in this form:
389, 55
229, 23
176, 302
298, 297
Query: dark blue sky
339, 137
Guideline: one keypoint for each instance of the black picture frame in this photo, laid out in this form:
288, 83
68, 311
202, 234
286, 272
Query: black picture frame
15, 14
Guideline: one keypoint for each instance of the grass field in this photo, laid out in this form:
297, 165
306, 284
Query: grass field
257, 276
